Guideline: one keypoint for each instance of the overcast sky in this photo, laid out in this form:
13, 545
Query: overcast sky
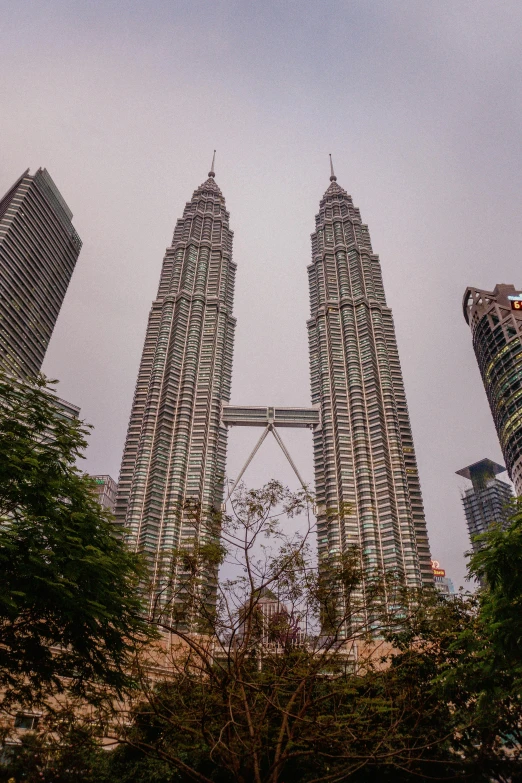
419, 103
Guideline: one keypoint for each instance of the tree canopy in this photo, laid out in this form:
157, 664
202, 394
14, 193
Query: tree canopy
69, 604
299, 675
287, 673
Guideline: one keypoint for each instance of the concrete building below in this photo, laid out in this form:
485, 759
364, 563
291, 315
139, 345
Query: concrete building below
106, 490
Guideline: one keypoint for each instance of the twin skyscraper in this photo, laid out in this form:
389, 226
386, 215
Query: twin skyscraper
367, 487
367, 491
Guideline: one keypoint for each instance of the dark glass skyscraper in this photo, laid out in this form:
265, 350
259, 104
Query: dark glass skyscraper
175, 450
485, 502
367, 484
39, 248
495, 318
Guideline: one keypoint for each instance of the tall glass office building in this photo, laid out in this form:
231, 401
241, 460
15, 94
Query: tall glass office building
367, 484
175, 450
486, 501
495, 319
39, 248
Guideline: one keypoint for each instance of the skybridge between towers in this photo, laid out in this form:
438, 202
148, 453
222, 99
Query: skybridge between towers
367, 490
270, 418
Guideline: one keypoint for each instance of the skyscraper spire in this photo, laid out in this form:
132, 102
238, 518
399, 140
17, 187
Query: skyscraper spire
333, 178
212, 173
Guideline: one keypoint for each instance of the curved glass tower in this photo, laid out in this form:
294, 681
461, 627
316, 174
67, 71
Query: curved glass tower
176, 443
367, 484
495, 319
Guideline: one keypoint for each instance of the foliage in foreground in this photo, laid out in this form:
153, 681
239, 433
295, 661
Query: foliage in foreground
262, 692
68, 604
434, 692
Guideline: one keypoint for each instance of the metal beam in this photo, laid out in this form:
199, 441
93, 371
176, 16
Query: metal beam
287, 455
269, 428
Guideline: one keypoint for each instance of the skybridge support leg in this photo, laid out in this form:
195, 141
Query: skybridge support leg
287, 455
270, 428
249, 460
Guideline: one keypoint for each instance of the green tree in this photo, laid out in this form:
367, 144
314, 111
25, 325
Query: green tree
299, 675
485, 675
69, 604
499, 565
63, 751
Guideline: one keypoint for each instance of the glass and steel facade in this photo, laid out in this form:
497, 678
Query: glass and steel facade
39, 248
496, 327
486, 501
367, 484
175, 450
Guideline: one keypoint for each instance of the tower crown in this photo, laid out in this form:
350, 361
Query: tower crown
210, 183
333, 189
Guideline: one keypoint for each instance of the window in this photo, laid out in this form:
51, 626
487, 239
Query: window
26, 722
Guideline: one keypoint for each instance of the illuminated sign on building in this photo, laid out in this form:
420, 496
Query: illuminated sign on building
516, 301
437, 570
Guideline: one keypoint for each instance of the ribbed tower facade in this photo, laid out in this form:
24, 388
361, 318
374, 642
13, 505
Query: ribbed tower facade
39, 248
367, 484
176, 444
